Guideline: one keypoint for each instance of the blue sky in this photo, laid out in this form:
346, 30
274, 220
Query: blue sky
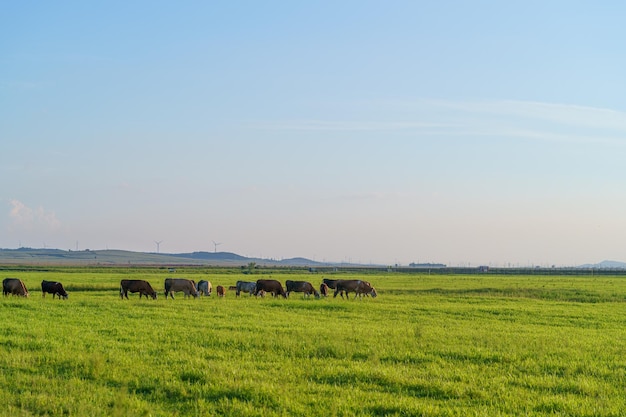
480, 132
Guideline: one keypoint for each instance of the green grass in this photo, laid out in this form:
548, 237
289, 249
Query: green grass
478, 345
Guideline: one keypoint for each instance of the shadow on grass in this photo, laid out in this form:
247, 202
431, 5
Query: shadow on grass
380, 383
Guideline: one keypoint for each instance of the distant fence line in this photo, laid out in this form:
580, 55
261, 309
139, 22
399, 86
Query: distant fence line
475, 270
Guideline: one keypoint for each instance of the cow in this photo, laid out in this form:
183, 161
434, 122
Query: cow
301, 286
221, 291
245, 286
357, 286
14, 286
54, 288
330, 283
270, 285
204, 287
173, 285
136, 285
324, 289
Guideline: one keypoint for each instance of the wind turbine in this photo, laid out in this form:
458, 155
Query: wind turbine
158, 244
216, 244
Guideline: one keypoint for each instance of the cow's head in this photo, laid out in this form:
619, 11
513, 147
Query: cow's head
154, 295
373, 292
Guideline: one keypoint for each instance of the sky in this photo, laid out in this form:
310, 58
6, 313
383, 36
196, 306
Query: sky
392, 132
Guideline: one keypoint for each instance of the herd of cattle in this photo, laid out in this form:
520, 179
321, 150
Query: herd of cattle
190, 288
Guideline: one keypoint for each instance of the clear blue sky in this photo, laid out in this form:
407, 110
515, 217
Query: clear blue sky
459, 132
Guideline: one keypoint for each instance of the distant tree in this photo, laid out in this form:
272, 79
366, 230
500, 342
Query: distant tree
249, 269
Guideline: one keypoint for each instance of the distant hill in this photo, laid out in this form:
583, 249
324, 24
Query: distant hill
605, 265
211, 256
32, 256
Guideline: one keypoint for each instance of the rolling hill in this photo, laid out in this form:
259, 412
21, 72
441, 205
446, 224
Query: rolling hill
31, 256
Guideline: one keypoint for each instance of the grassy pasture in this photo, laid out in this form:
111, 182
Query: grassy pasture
474, 345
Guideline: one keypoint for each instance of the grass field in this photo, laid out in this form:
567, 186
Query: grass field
474, 345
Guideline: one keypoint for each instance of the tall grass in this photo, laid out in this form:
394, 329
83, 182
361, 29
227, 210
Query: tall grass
427, 346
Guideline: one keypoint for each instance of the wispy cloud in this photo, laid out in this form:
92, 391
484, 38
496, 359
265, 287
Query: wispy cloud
529, 120
26, 218
347, 126
565, 114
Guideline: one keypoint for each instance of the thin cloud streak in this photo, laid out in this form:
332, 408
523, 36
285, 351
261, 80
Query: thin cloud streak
562, 123
345, 126
567, 114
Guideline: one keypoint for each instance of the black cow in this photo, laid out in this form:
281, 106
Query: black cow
301, 286
357, 286
14, 286
271, 286
54, 288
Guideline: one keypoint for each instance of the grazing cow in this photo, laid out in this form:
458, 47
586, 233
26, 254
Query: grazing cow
245, 286
331, 283
204, 287
221, 291
270, 285
324, 289
136, 285
232, 287
301, 286
14, 286
356, 286
54, 288
173, 285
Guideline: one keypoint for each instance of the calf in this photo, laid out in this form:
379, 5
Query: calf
54, 288
221, 291
136, 285
324, 289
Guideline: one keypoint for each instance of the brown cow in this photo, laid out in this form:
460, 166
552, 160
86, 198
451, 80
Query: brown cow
356, 286
271, 286
173, 285
136, 285
14, 286
301, 286
221, 291
324, 289
54, 288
